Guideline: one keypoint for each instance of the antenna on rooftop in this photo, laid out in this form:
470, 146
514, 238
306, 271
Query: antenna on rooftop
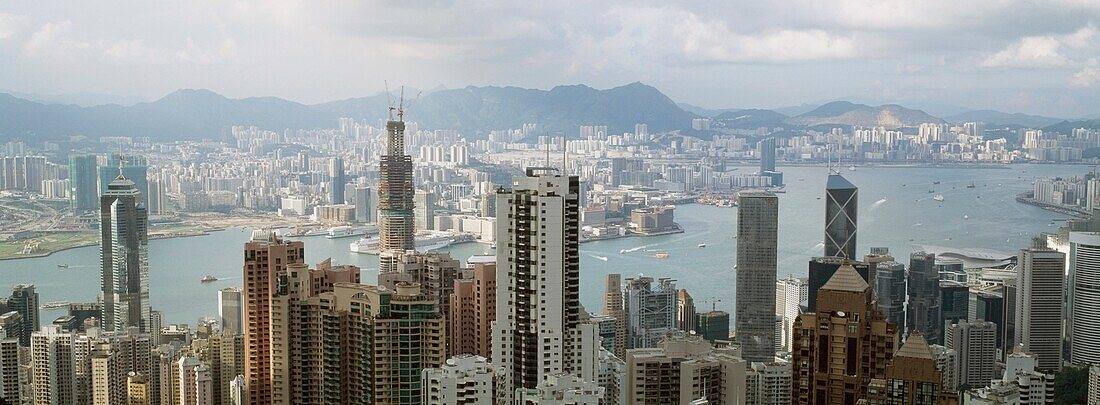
389, 98
401, 106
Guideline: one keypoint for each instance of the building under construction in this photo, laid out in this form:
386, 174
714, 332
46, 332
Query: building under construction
395, 198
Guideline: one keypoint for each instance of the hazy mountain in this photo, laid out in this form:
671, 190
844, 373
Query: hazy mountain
194, 114
1067, 127
791, 111
703, 111
846, 113
83, 99
997, 118
750, 118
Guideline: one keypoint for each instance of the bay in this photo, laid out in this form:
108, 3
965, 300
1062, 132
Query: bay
896, 211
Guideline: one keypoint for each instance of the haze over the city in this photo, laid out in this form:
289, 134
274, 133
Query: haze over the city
1032, 57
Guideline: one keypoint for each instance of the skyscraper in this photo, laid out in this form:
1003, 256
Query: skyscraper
396, 222
975, 347
923, 312
472, 311
911, 377
83, 178
613, 307
890, 291
124, 253
649, 307
685, 311
338, 179
791, 294
24, 300
134, 168
1084, 297
841, 199
713, 325
425, 209
230, 310
821, 270
842, 346
757, 240
538, 331
685, 369
1040, 282
766, 150
265, 256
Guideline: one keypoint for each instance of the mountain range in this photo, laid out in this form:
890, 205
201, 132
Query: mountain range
203, 114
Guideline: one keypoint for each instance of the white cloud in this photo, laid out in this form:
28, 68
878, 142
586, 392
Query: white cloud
1042, 51
1089, 76
12, 24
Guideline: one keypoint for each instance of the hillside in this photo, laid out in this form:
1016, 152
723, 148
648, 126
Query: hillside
846, 113
997, 118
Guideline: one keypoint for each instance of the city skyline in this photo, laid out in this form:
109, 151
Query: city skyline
770, 55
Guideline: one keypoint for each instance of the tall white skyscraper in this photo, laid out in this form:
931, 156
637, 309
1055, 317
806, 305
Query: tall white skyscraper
538, 330
124, 253
1084, 297
1040, 283
230, 311
790, 294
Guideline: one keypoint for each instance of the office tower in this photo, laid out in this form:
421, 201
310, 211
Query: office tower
975, 351
230, 310
395, 198
1040, 283
821, 270
53, 363
424, 201
124, 252
11, 383
472, 311
841, 199
606, 327
911, 377
265, 256
842, 346
955, 301
769, 383
791, 294
987, 304
83, 186
138, 390
685, 311
1084, 298
434, 271
1007, 337
713, 325
890, 291
363, 211
158, 198
650, 310
538, 331
82, 312
925, 300
685, 369
24, 300
464, 379
338, 180
757, 241
765, 149
613, 307
618, 165
134, 168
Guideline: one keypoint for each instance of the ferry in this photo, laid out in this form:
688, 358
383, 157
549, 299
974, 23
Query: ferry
702, 245
971, 185
208, 279
55, 304
936, 182
938, 197
423, 243
631, 250
344, 231
662, 255
62, 266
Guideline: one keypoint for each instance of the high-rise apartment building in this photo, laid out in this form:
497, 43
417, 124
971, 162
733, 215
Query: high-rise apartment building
841, 199
464, 379
1040, 282
538, 331
975, 351
138, 390
791, 294
83, 184
224, 354
890, 291
613, 307
436, 273
231, 310
1094, 385
53, 363
265, 256
683, 370
685, 311
925, 300
396, 221
472, 311
649, 307
1083, 289
124, 253
769, 383
24, 301
11, 381
757, 241
843, 345
911, 377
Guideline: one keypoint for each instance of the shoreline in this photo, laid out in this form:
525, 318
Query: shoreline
83, 245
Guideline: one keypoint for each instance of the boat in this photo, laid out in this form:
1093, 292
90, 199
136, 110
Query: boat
208, 279
938, 197
702, 245
965, 216
931, 191
62, 266
604, 258
55, 304
661, 255
936, 182
422, 243
631, 250
344, 231
851, 168
971, 185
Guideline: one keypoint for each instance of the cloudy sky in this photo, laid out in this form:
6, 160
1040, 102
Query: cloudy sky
1019, 56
